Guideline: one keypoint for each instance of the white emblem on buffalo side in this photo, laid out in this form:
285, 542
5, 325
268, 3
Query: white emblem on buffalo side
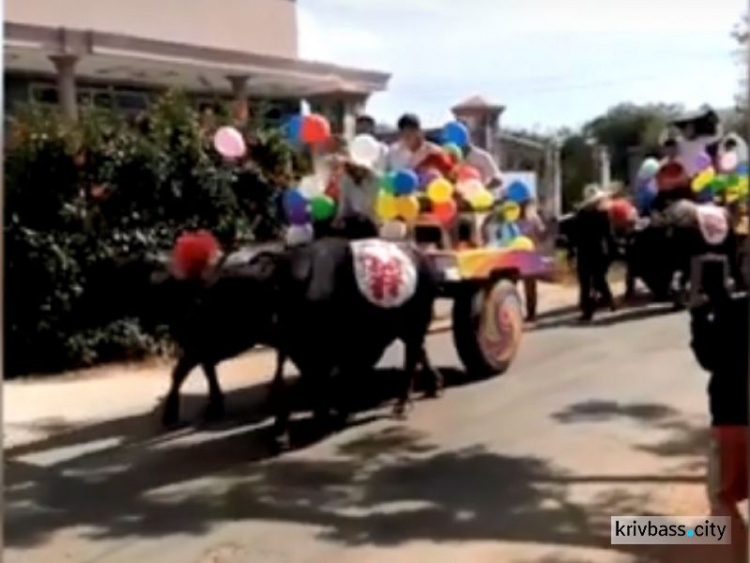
713, 223
386, 276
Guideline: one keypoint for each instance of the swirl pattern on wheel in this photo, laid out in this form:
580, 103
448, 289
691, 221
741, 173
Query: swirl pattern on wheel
501, 324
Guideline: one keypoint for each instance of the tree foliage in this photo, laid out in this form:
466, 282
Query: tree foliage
82, 198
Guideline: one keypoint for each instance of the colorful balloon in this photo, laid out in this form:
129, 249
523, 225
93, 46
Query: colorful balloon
445, 211
365, 149
387, 183
293, 129
467, 172
322, 207
299, 234
230, 143
440, 191
311, 186
385, 206
407, 207
454, 152
703, 179
456, 133
315, 129
621, 212
648, 169
482, 200
522, 243
703, 161
468, 188
428, 176
729, 162
511, 211
518, 192
405, 182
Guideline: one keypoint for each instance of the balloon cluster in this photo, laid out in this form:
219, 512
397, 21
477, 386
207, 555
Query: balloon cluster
729, 181
510, 233
306, 204
408, 193
308, 129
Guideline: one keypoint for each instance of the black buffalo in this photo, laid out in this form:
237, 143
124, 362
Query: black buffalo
333, 334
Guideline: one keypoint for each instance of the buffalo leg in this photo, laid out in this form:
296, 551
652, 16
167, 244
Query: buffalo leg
413, 355
586, 301
277, 385
435, 382
215, 410
171, 413
282, 409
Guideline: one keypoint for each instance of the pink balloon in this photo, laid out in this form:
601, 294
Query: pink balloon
229, 143
729, 162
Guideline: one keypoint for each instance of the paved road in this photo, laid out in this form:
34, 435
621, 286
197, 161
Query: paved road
527, 467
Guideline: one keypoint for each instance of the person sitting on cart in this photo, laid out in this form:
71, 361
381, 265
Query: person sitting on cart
488, 169
357, 193
413, 151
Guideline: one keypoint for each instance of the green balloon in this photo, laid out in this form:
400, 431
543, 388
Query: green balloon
387, 185
322, 207
454, 150
732, 180
717, 185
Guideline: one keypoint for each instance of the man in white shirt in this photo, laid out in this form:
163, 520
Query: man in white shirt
411, 148
486, 165
693, 143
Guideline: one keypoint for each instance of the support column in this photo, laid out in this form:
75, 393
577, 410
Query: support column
65, 65
239, 98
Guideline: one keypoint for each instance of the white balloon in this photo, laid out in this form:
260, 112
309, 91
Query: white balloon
311, 186
299, 234
365, 148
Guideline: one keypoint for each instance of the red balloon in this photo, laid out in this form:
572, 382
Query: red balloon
315, 129
445, 211
622, 212
466, 172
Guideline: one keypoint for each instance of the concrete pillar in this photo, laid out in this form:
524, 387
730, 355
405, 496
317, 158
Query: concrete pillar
240, 110
65, 65
341, 110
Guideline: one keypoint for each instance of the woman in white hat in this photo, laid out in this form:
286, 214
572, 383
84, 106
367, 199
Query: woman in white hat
358, 188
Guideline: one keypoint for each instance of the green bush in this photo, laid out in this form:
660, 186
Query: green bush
81, 198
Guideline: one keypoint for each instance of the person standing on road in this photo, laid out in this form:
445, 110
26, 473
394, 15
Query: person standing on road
531, 226
720, 337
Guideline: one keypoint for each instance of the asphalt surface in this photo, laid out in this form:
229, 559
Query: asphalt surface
589, 422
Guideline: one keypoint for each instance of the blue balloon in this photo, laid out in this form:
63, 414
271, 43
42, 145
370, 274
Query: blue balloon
456, 132
293, 128
518, 191
743, 169
405, 182
294, 200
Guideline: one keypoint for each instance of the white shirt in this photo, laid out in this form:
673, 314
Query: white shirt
401, 157
691, 149
485, 164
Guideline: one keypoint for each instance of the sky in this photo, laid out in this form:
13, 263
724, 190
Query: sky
552, 63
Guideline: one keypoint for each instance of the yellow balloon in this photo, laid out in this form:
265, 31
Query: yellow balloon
481, 200
407, 207
440, 190
522, 243
732, 193
511, 211
703, 179
385, 206
743, 186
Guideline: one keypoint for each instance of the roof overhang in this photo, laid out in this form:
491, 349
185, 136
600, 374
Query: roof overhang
134, 59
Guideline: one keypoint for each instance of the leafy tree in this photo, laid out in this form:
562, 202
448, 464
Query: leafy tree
82, 198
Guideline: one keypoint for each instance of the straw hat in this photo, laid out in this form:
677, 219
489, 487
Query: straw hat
593, 193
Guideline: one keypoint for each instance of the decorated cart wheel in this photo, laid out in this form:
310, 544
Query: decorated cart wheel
487, 328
